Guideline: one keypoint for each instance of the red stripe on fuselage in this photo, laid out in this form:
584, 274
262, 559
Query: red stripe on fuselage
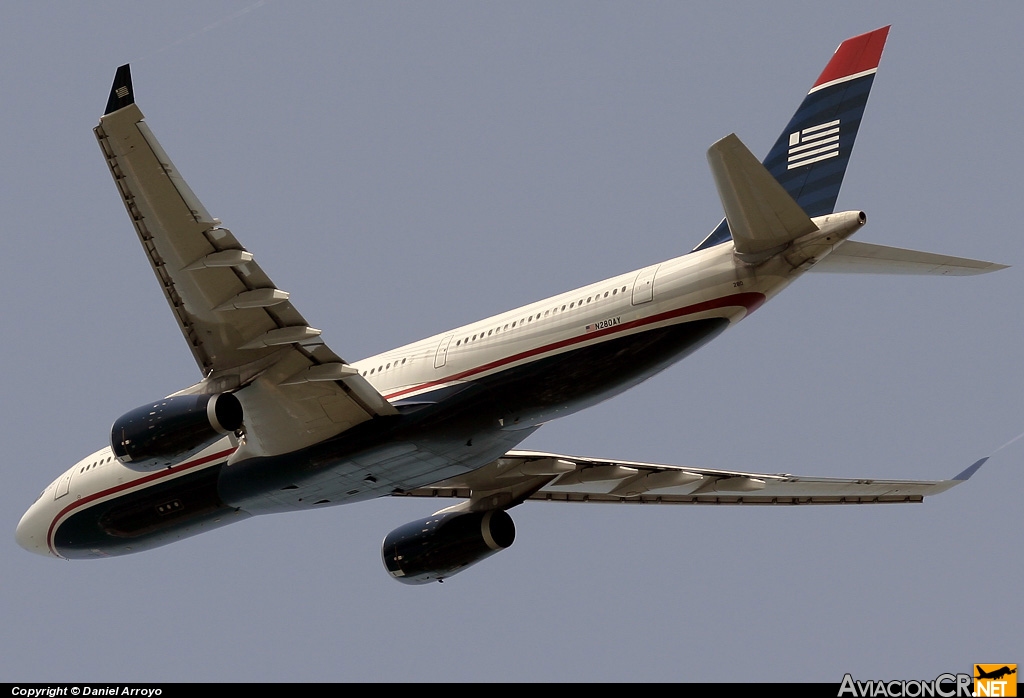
855, 56
750, 301
176, 470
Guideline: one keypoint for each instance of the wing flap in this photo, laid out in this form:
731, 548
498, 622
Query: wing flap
597, 480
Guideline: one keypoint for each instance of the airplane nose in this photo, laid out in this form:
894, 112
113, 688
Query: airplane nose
31, 533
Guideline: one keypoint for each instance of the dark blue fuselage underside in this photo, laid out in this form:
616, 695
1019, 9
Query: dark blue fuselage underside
437, 435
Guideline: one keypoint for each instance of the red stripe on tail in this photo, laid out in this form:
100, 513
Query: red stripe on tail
855, 56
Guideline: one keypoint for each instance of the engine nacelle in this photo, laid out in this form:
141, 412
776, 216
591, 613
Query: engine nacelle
165, 432
443, 544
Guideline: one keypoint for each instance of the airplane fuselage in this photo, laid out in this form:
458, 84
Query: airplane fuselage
464, 397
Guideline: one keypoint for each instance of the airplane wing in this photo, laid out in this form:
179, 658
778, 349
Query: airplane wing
535, 475
242, 330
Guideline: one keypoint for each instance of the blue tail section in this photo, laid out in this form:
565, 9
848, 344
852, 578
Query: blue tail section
810, 157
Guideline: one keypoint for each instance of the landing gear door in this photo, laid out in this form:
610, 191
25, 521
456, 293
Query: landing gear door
441, 356
643, 287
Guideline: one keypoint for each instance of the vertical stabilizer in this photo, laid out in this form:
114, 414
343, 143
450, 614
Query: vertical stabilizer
810, 157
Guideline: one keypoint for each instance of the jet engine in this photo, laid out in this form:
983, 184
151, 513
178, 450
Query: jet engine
165, 432
443, 544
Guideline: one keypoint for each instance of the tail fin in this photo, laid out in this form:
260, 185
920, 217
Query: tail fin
810, 157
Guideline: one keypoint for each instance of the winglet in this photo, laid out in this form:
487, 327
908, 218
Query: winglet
121, 92
966, 475
854, 57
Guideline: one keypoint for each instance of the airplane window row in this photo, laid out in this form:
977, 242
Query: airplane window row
509, 326
94, 464
531, 318
384, 367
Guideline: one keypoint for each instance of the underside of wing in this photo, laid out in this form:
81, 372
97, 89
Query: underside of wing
533, 475
242, 330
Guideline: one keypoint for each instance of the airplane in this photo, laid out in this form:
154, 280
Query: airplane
995, 674
280, 422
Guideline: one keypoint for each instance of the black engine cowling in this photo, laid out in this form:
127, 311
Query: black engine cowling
444, 544
165, 432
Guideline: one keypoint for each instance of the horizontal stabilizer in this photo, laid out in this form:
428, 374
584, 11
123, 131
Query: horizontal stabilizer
762, 217
864, 258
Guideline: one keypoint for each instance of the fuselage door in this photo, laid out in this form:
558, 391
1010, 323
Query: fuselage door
643, 287
64, 486
442, 351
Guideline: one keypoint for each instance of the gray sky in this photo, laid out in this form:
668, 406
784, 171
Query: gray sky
405, 168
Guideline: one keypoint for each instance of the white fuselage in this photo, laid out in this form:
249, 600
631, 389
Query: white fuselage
628, 303
710, 283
